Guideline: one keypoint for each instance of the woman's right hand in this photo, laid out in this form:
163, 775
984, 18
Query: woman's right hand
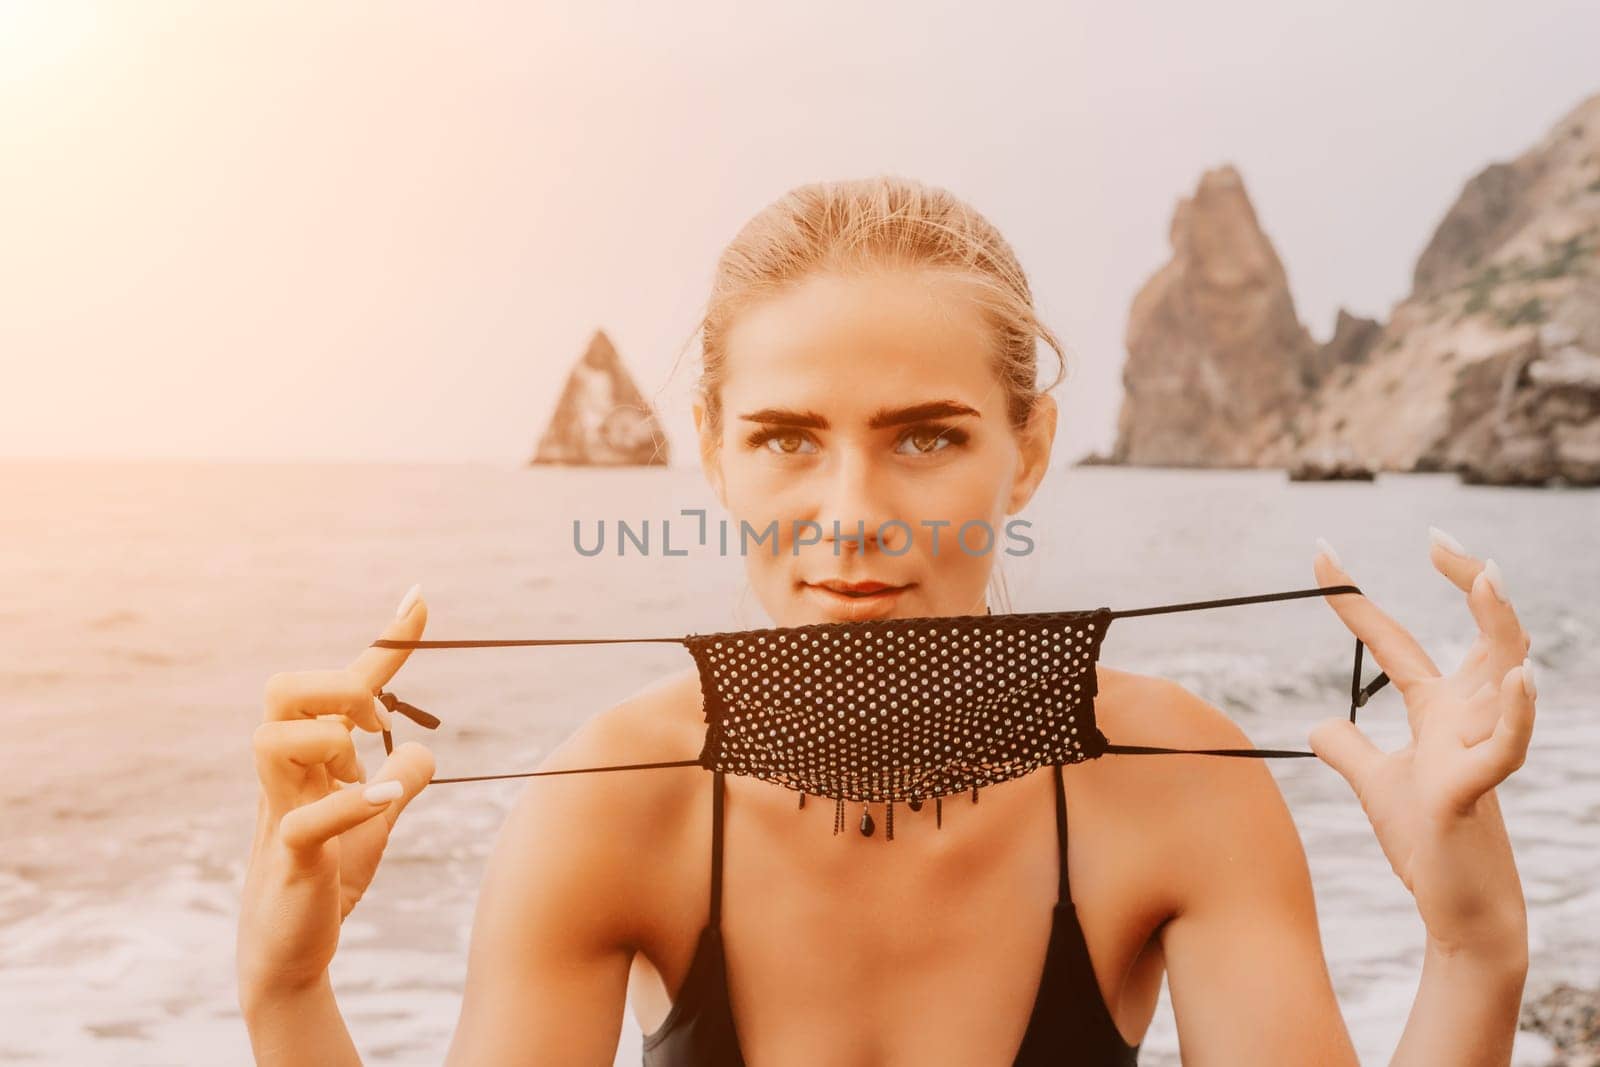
317, 842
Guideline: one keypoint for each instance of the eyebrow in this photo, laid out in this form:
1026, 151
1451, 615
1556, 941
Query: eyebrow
933, 409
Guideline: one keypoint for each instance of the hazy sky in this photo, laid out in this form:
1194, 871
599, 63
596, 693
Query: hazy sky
385, 230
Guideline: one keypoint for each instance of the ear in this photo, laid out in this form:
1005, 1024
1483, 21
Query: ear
1035, 440
710, 451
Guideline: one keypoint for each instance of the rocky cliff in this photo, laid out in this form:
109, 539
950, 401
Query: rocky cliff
1491, 366
602, 418
1493, 362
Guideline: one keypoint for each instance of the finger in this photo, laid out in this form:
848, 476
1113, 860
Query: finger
1479, 714
1391, 645
349, 724
1451, 559
292, 754
411, 764
307, 828
1341, 745
1506, 748
1497, 619
375, 666
307, 694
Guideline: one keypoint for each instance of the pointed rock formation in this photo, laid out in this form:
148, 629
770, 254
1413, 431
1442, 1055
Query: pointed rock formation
602, 418
1217, 358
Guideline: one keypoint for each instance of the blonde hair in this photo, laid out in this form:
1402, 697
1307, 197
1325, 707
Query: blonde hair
866, 223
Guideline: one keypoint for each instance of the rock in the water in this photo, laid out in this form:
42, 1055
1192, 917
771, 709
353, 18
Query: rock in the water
602, 418
1217, 358
1329, 465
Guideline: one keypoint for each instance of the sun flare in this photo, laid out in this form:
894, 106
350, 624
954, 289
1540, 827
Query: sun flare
37, 36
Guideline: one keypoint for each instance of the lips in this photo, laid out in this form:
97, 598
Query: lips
856, 589
855, 601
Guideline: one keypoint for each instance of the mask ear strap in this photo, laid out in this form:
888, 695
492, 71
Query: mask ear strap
431, 722
1359, 694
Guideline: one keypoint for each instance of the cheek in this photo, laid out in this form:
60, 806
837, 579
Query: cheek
759, 490
965, 492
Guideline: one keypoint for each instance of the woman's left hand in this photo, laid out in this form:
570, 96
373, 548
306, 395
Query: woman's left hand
1432, 803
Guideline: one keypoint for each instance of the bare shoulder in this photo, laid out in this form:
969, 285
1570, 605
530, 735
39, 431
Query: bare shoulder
1198, 807
615, 835
662, 722
1145, 709
570, 888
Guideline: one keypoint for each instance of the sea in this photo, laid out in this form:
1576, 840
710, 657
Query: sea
143, 604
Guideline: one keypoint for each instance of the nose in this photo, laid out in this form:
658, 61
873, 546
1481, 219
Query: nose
855, 504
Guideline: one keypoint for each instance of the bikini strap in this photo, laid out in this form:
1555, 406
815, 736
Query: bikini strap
717, 789
1063, 885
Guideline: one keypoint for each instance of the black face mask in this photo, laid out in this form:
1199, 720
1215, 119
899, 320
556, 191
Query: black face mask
899, 710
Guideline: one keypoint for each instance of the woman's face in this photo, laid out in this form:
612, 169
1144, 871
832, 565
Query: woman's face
864, 399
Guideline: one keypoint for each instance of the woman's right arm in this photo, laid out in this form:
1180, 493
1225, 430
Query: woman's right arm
317, 845
559, 915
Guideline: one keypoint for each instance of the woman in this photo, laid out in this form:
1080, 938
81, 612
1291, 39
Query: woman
869, 354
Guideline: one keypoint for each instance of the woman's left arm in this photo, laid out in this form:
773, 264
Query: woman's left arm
1433, 806
1245, 967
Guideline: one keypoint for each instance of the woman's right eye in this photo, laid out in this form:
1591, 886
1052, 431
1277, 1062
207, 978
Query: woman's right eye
781, 442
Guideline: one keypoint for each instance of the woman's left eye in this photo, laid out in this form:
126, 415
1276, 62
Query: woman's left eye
926, 440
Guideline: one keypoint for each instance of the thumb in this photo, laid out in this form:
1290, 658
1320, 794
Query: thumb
410, 764
1341, 745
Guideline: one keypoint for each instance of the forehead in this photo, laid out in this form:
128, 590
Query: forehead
862, 341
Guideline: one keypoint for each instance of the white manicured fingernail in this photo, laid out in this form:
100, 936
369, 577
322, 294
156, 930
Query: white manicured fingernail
1327, 550
1496, 580
1527, 679
383, 792
385, 719
1445, 541
408, 601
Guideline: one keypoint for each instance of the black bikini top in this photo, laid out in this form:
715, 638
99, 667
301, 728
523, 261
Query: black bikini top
899, 710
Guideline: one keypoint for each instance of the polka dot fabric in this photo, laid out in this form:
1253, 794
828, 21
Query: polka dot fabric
902, 709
